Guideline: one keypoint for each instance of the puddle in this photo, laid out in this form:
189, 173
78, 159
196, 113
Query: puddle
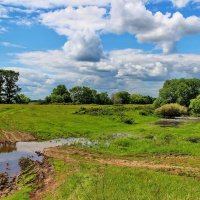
177, 121
168, 123
11, 153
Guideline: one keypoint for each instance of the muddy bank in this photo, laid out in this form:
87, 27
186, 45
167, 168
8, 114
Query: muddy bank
34, 174
7, 185
14, 136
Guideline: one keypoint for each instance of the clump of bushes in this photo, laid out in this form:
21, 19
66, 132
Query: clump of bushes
195, 105
171, 110
99, 111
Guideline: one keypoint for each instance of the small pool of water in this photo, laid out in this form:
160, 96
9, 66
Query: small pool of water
11, 153
177, 121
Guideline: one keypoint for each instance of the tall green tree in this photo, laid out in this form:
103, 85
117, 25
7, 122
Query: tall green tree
103, 98
9, 88
179, 91
60, 94
122, 97
83, 95
2, 81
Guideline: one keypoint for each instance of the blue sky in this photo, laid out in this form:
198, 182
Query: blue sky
109, 45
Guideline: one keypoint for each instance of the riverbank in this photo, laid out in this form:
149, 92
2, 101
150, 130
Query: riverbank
15, 136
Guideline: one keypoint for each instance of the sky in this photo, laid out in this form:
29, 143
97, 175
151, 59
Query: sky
108, 45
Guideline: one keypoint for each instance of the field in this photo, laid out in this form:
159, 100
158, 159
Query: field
130, 156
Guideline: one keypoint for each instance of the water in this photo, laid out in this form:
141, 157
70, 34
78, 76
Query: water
11, 153
177, 121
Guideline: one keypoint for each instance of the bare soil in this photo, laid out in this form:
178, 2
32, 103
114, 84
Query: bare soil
14, 136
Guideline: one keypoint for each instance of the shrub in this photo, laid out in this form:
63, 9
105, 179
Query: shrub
127, 120
145, 112
171, 110
195, 105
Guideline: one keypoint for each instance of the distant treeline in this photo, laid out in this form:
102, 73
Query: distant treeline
181, 91
86, 95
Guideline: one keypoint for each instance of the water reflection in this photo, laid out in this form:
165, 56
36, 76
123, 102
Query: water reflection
11, 153
7, 147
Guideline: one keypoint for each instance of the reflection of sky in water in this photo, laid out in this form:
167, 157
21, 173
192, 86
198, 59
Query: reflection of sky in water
9, 161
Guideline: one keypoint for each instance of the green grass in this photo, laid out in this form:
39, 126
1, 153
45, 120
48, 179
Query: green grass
22, 194
93, 181
57, 121
97, 182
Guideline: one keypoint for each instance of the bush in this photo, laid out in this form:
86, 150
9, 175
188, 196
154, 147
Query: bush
171, 110
145, 112
195, 105
127, 120
22, 99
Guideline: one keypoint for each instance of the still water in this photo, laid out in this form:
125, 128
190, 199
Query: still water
11, 153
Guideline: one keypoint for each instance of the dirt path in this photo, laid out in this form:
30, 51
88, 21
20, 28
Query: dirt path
162, 165
14, 136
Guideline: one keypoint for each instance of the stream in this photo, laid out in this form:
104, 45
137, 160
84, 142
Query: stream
10, 154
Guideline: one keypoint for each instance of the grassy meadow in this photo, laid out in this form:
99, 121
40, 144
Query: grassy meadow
126, 132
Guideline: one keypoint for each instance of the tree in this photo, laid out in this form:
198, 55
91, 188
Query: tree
139, 99
195, 105
9, 89
22, 99
103, 99
60, 94
2, 81
179, 91
82, 95
122, 97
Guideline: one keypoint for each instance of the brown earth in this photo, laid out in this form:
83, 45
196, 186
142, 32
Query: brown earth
7, 186
173, 164
14, 136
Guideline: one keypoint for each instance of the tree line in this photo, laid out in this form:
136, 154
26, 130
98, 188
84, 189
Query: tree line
86, 95
185, 92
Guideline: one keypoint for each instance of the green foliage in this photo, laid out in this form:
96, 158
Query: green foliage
139, 99
22, 99
179, 91
171, 110
82, 95
127, 120
195, 105
121, 98
8, 87
103, 99
60, 94
146, 112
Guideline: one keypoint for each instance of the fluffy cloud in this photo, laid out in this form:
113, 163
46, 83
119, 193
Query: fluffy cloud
69, 20
130, 69
84, 46
81, 61
162, 30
